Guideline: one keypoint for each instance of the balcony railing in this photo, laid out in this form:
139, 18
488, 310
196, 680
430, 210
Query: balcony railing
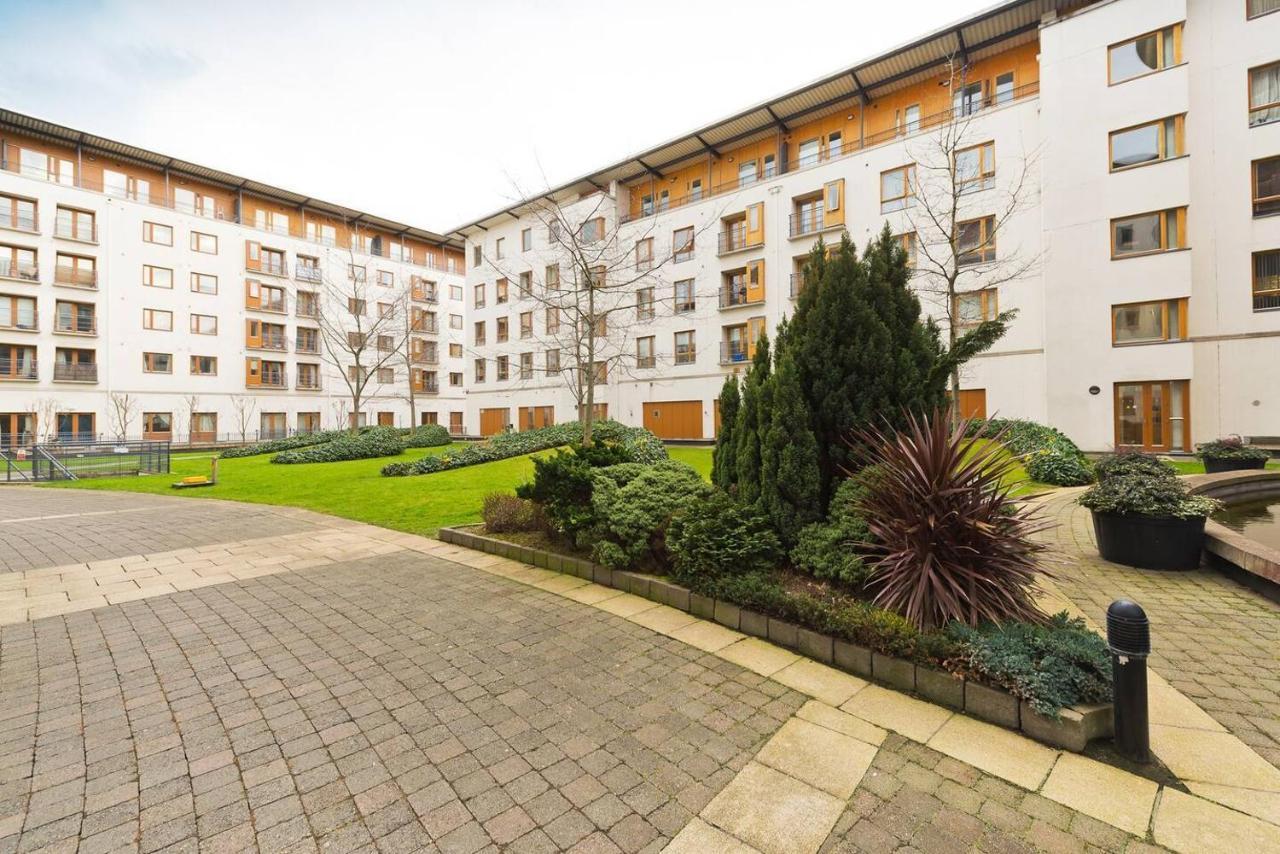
1266, 300
82, 234
427, 387
18, 369
277, 344
807, 220
732, 296
77, 325
734, 239
274, 381
306, 383
425, 358
22, 323
306, 274
646, 361
851, 146
733, 352
420, 295
75, 276
10, 269
77, 373
19, 222
310, 347
430, 327
268, 266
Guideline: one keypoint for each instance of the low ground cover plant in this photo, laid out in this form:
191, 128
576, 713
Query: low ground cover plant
285, 443
1138, 484
1048, 455
373, 442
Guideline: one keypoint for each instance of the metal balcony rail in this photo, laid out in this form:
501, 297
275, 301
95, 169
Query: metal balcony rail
429, 387
77, 324
10, 269
307, 274
22, 322
18, 369
269, 266
19, 222
77, 276
308, 383
86, 233
733, 352
734, 238
970, 107
732, 296
808, 220
75, 373
1266, 300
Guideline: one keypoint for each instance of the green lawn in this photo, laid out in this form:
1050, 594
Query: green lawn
1194, 466
354, 490
697, 456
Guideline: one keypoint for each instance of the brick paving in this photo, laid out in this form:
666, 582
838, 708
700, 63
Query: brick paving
1214, 640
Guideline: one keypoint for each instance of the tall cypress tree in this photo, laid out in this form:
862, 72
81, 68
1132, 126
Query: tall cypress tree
789, 474
747, 431
724, 468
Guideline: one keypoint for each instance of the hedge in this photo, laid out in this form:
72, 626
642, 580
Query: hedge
426, 436
643, 446
287, 443
1047, 454
374, 442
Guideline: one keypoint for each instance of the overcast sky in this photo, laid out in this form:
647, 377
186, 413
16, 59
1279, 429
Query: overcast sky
428, 112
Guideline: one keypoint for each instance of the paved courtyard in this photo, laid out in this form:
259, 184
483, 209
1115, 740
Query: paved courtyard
273, 679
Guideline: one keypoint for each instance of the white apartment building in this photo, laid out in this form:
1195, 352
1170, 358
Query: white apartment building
1142, 138
195, 296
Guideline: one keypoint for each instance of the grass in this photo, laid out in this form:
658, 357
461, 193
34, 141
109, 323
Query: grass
354, 490
1194, 466
697, 456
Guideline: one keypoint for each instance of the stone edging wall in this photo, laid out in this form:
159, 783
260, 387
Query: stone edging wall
1254, 564
1077, 726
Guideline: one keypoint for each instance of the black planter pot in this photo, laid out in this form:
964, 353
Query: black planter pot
1212, 466
1150, 542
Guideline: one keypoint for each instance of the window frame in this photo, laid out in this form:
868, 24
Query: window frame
1179, 137
148, 277
196, 242
196, 277
987, 245
1273, 200
1181, 231
1164, 304
689, 355
1163, 65
149, 231
986, 175
150, 314
989, 307
909, 180
149, 359
194, 326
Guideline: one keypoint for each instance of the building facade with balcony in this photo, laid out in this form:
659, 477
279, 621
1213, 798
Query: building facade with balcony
1140, 138
199, 295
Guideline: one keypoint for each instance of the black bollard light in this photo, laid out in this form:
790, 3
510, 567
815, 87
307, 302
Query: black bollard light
1129, 637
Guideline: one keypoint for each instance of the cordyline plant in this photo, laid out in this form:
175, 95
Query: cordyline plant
948, 542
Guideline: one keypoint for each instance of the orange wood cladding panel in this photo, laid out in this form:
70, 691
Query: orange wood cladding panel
494, 421
533, 417
674, 419
973, 403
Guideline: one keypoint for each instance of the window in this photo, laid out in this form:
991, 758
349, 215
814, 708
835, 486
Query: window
356, 306
157, 319
592, 230
386, 376
1004, 88
203, 283
157, 424
504, 367
908, 243
695, 189
809, 151
20, 312
189, 201
157, 363
204, 324
455, 379
478, 295
357, 274
77, 270
552, 277
601, 374
1266, 280
308, 376
1264, 94
154, 232
502, 334
1145, 54
976, 243
526, 366
664, 200
385, 309
552, 321
1160, 231
684, 297
318, 232
968, 99
834, 144
18, 213
895, 188
526, 324
1148, 143
204, 366
1149, 322
206, 243
644, 253
976, 167
477, 255
455, 350
1266, 186
307, 268
121, 186
746, 173
386, 278
455, 321
308, 304
646, 204
682, 243
553, 361
645, 353
497, 248
74, 317
526, 285
974, 307
910, 119
1257, 8
501, 291
685, 351
644, 304
386, 343
526, 240
306, 340
479, 370
478, 334
272, 424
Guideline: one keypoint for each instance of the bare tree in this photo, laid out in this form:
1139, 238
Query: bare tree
341, 411
600, 284
361, 315
244, 407
191, 403
46, 411
960, 209
123, 409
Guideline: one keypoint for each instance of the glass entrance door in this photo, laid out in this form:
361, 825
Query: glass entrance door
1152, 416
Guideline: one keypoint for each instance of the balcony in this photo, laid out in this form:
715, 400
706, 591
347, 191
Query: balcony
427, 387
10, 269
276, 344
733, 352
807, 220
422, 324
308, 383
425, 358
274, 380
19, 222
307, 274
267, 266
76, 277
81, 234
75, 373
427, 295
77, 325
20, 370
20, 322
735, 296
734, 239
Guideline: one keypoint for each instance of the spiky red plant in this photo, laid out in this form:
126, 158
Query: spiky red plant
950, 544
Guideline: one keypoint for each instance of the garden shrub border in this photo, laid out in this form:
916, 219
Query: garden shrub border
1075, 727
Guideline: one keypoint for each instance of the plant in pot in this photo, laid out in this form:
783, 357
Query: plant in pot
1230, 454
1144, 516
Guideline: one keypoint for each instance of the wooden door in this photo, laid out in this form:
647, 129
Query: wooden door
17, 428
426, 418
386, 419
973, 403
493, 421
1153, 416
674, 419
455, 423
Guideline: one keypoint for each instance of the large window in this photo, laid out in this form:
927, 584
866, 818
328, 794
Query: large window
974, 307
976, 167
1149, 322
1264, 94
684, 296
1266, 186
157, 319
895, 188
686, 352
157, 277
154, 232
976, 241
1266, 280
682, 243
1145, 54
645, 352
1159, 231
1147, 143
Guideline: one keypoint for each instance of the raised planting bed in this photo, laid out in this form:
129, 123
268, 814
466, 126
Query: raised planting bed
1075, 727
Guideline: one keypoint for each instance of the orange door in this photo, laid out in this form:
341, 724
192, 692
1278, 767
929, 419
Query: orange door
493, 421
973, 403
674, 419
386, 419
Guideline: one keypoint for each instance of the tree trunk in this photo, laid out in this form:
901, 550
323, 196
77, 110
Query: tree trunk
589, 413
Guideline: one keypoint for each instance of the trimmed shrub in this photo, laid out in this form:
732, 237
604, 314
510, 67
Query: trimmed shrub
834, 550
1053, 665
1133, 463
1230, 448
1141, 494
561, 486
426, 436
720, 538
374, 442
1048, 455
285, 443
631, 519
642, 445
505, 513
